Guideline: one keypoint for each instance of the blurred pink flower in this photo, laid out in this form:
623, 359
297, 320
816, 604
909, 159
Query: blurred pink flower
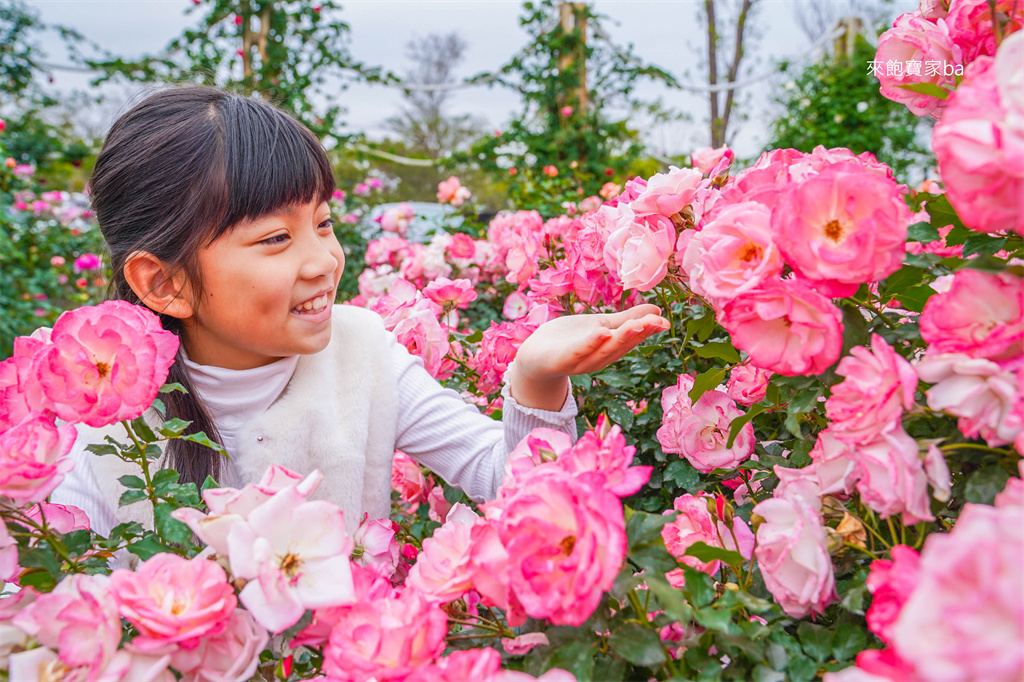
437, 506
87, 261
516, 305
9, 568
231, 656
891, 478
981, 315
891, 582
32, 458
397, 219
374, 183
104, 363
57, 261
20, 395
979, 143
747, 384
407, 479
361, 189
566, 111
792, 551
879, 385
452, 192
706, 158
497, 348
785, 327
173, 600
423, 336
442, 571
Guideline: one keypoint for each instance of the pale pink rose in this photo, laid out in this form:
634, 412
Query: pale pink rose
785, 327
891, 476
423, 336
981, 315
842, 227
696, 523
32, 459
452, 192
446, 292
522, 644
610, 190
979, 143
104, 363
914, 38
478, 665
20, 395
965, 618
59, 517
375, 545
390, 250
397, 219
879, 385
497, 349
516, 305
41, 664
977, 391
565, 538
13, 639
937, 471
368, 585
438, 506
734, 252
891, 582
834, 467
173, 600
747, 384
667, 193
706, 158
792, 551
442, 571
387, 638
231, 656
540, 445
604, 451
970, 25
9, 568
79, 620
295, 555
700, 431
407, 479
639, 252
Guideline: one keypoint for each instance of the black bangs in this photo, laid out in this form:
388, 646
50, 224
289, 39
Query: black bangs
272, 161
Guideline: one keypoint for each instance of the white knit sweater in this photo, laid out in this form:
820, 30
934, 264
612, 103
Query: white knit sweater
343, 411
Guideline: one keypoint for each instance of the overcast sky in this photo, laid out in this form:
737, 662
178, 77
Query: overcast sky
663, 32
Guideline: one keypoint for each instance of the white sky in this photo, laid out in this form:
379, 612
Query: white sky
663, 32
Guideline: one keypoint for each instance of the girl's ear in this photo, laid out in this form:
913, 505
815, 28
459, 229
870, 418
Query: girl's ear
157, 286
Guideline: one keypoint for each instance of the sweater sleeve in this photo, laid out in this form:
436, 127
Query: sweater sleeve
452, 438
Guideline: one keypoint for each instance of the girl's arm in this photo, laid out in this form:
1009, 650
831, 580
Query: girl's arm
577, 344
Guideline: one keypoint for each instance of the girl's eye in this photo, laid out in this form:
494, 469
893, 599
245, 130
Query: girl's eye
275, 240
327, 223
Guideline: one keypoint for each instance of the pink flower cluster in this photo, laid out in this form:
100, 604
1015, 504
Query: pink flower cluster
413, 318
452, 192
703, 518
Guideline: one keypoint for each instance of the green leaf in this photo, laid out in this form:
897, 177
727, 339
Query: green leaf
147, 547
706, 381
719, 349
850, 639
172, 427
699, 586
576, 657
452, 495
942, 214
160, 407
167, 388
701, 327
984, 484
915, 297
739, 422
929, 89
644, 529
683, 474
905, 277
802, 669
637, 644
707, 553
132, 482
131, 497
924, 233
620, 414
101, 449
77, 542
475, 337
169, 528
671, 599
763, 673
164, 478
203, 439
42, 581
983, 245
210, 482
815, 640
41, 556
142, 430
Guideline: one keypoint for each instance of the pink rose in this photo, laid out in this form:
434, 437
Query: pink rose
891, 583
32, 459
667, 193
540, 445
977, 391
87, 261
457, 293
565, 538
438, 506
747, 384
604, 451
523, 644
231, 656
173, 600
478, 665
497, 349
422, 335
786, 327
965, 618
734, 252
407, 479
695, 523
843, 227
879, 385
59, 517
706, 158
700, 431
442, 571
516, 305
78, 619
914, 38
397, 219
375, 545
20, 395
452, 192
792, 551
891, 476
388, 638
461, 246
9, 568
639, 251
970, 25
981, 315
979, 143
104, 363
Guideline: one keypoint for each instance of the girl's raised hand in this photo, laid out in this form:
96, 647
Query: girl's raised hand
577, 344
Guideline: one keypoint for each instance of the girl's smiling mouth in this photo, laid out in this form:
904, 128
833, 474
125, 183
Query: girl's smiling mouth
314, 306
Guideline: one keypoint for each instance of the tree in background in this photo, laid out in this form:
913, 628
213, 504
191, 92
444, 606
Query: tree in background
565, 144
724, 57
836, 102
288, 51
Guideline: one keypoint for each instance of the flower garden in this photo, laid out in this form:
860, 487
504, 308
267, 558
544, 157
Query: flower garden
815, 473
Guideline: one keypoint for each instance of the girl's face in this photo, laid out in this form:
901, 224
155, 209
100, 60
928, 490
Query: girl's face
268, 288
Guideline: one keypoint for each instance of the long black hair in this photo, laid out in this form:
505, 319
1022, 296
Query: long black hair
177, 171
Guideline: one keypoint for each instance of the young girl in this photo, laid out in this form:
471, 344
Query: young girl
215, 210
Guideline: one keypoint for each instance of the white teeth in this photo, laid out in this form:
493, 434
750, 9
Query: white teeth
314, 304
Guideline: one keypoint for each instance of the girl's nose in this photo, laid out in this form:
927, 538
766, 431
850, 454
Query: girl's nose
318, 261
